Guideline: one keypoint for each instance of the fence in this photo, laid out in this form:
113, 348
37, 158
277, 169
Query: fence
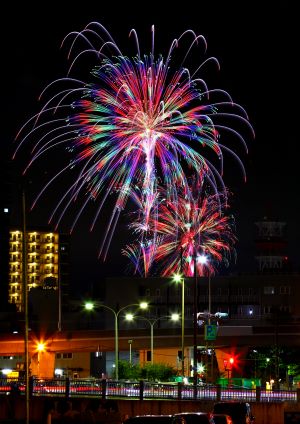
100, 388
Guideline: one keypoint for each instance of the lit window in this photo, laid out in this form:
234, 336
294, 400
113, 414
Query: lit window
269, 290
67, 355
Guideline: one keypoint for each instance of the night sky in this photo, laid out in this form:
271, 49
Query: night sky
257, 49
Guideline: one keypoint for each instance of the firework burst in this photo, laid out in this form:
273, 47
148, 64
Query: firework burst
136, 122
183, 231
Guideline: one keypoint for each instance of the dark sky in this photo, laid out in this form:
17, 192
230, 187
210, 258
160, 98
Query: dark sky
257, 49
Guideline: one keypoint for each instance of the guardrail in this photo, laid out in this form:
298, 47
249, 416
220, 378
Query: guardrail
66, 387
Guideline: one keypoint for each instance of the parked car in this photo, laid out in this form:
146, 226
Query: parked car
240, 412
196, 417
222, 419
179, 418
155, 419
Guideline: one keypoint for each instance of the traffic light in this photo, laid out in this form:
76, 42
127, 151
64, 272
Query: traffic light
229, 363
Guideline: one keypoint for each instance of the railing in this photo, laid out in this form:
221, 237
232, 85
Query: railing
100, 388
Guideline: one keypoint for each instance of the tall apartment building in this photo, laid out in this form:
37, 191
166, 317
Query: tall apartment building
47, 263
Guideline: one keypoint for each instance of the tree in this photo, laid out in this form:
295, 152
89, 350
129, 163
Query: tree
158, 372
150, 372
129, 371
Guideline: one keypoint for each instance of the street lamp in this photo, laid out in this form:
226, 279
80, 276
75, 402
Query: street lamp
178, 278
89, 306
151, 322
203, 260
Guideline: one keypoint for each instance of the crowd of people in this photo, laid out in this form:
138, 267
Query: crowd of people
95, 411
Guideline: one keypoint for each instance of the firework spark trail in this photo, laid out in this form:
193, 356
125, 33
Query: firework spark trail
202, 227
191, 226
135, 122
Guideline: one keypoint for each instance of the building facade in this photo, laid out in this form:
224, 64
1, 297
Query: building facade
271, 246
248, 297
44, 251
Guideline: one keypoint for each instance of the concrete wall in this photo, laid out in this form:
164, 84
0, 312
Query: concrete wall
14, 409
167, 356
42, 364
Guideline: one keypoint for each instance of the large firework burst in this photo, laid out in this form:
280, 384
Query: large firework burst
136, 121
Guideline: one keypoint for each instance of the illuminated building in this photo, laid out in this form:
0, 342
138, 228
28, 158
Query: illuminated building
44, 252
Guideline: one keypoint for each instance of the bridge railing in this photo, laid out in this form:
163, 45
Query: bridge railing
100, 388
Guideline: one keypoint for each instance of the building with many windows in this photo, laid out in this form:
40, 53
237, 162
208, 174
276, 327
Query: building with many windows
271, 246
245, 297
44, 252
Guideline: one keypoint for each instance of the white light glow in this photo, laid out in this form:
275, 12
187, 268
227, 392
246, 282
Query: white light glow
58, 371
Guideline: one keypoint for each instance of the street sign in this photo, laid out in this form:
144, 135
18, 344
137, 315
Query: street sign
210, 332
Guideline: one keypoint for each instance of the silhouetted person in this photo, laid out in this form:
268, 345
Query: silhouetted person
13, 398
113, 414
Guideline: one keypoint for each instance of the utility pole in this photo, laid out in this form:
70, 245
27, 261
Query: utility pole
195, 379
25, 302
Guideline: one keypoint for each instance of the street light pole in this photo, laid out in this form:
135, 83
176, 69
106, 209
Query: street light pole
130, 352
209, 322
152, 340
195, 323
182, 328
151, 322
116, 314
25, 305
254, 351
90, 306
203, 259
178, 278
228, 366
209, 298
